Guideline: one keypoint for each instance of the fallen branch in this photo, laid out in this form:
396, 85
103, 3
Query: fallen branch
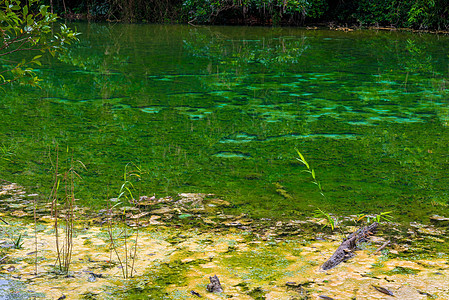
347, 248
381, 247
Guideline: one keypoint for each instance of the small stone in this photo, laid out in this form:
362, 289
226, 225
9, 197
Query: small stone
19, 214
219, 202
11, 268
154, 220
161, 211
91, 278
439, 220
292, 284
138, 216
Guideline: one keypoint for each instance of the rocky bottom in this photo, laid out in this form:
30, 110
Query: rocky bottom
163, 259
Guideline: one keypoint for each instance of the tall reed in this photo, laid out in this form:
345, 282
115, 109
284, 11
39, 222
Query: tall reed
64, 180
128, 256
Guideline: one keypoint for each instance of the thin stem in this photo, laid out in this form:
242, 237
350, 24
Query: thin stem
35, 236
111, 236
126, 245
135, 248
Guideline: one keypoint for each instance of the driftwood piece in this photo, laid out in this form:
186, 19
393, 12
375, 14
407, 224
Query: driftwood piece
195, 293
383, 290
214, 286
346, 249
384, 245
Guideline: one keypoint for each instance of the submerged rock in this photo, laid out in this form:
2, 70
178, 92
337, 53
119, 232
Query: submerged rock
439, 220
214, 286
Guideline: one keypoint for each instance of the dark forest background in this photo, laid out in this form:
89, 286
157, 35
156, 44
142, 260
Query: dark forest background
416, 14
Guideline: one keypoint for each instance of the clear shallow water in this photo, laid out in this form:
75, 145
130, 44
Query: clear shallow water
221, 110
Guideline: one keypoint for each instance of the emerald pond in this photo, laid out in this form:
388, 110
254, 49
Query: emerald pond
221, 109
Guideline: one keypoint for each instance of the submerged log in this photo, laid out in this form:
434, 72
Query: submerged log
346, 249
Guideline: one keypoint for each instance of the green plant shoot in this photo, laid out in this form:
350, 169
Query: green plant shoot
302, 160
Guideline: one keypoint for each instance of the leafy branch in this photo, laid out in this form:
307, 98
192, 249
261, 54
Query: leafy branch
28, 27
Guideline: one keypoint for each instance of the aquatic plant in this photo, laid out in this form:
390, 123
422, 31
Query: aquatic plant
16, 241
311, 171
65, 180
329, 220
6, 152
383, 216
129, 254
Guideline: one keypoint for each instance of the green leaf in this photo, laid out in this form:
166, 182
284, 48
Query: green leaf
43, 10
30, 20
303, 160
184, 216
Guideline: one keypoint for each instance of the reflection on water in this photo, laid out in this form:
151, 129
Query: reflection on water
221, 109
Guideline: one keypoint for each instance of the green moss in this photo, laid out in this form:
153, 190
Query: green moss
402, 271
153, 284
260, 264
377, 265
257, 294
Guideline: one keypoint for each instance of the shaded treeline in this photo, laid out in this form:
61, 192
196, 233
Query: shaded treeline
418, 14
130, 11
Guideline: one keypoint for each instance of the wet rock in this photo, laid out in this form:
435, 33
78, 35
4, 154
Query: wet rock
214, 286
292, 284
209, 221
10, 268
219, 202
7, 245
238, 223
91, 278
19, 214
154, 220
439, 220
145, 200
430, 230
163, 210
129, 208
138, 216
191, 198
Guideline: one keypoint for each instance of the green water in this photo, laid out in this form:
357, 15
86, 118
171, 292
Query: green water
221, 110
